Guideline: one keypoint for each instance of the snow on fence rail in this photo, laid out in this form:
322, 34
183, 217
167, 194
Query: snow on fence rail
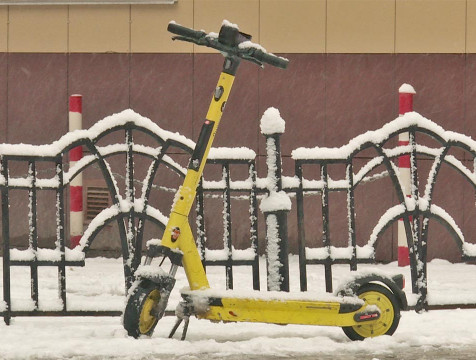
131, 209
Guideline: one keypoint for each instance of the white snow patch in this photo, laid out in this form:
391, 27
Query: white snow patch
270, 295
275, 201
100, 286
271, 122
469, 249
229, 24
109, 122
223, 254
335, 253
42, 254
380, 135
406, 89
272, 253
235, 153
149, 271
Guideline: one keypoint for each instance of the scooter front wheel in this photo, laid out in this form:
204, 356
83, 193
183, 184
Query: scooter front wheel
385, 300
140, 315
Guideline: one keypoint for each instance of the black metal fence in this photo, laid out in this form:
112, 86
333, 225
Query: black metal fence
131, 209
416, 210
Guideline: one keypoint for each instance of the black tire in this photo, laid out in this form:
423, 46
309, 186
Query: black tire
138, 319
374, 294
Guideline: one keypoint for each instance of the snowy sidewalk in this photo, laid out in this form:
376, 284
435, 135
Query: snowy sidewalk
99, 285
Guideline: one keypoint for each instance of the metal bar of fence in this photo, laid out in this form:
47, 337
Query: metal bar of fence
301, 229
201, 238
326, 237
227, 226
254, 225
130, 194
20, 313
60, 231
33, 235
6, 242
351, 214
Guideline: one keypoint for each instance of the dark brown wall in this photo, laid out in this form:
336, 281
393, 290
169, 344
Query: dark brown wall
326, 99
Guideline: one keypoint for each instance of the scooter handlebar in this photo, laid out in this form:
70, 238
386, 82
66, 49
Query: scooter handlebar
270, 59
240, 46
185, 31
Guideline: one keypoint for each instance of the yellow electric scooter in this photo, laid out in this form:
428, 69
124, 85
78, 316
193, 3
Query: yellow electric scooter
367, 306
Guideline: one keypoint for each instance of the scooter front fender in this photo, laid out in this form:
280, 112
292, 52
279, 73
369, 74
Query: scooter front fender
394, 283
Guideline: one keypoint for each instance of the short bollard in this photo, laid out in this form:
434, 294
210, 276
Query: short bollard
275, 206
406, 93
76, 185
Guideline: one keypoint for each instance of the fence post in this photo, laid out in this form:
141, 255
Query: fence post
275, 205
406, 93
76, 185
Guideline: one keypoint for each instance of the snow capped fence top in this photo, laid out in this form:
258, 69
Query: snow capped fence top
381, 136
125, 119
93, 134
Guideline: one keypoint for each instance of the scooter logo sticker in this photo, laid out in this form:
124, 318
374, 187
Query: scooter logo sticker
175, 234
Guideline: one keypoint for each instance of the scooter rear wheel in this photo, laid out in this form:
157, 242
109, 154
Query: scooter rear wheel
139, 318
374, 294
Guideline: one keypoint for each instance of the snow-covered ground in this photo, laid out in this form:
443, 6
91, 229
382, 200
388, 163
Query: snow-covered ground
99, 285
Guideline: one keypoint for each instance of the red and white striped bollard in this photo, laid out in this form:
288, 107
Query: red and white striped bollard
406, 93
76, 185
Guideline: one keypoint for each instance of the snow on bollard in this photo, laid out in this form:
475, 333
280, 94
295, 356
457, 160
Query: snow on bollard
275, 205
76, 184
406, 93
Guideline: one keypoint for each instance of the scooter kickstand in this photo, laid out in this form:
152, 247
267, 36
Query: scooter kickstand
176, 326
185, 328
183, 313
174, 329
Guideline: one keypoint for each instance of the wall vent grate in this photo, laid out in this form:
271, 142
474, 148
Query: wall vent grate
97, 199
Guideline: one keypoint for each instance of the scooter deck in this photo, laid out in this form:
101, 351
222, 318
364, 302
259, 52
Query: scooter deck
279, 308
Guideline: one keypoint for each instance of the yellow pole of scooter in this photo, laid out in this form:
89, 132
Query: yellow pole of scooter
178, 234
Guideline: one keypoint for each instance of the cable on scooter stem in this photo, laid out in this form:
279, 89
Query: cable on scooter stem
230, 41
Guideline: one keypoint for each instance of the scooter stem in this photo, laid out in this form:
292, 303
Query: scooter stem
178, 234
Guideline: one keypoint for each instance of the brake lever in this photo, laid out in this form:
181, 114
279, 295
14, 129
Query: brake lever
183, 38
191, 40
253, 60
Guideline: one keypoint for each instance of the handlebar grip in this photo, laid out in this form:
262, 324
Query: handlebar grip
185, 31
271, 59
